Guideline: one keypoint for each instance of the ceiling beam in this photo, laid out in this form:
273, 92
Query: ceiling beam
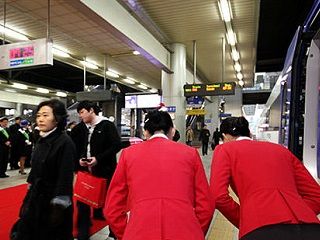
118, 21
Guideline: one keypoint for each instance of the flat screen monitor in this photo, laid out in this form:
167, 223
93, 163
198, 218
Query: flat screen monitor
131, 101
148, 101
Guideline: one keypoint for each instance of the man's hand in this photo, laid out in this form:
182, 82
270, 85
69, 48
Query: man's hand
83, 162
92, 161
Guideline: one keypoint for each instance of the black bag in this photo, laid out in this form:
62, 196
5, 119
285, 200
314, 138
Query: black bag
24, 210
213, 146
14, 230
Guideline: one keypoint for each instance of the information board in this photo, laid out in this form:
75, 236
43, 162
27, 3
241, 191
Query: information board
26, 54
214, 89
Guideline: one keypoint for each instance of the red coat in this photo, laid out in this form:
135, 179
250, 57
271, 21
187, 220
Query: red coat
168, 191
273, 186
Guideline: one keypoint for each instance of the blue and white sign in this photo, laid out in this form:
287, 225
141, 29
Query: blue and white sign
171, 108
194, 101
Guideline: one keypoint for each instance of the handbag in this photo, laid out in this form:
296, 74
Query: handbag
90, 190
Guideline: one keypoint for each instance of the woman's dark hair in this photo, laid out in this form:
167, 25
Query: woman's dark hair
59, 111
157, 121
88, 105
235, 126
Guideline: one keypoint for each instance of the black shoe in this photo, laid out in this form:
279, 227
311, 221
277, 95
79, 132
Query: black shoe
4, 176
22, 172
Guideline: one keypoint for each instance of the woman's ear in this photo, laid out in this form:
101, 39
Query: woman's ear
171, 133
146, 134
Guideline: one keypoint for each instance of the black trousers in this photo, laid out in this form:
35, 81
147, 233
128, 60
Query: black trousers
205, 148
84, 221
4, 153
285, 232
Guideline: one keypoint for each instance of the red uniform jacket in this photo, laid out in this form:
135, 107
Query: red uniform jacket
273, 186
163, 185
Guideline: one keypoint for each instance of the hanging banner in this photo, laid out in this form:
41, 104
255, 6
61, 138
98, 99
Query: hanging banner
214, 89
26, 54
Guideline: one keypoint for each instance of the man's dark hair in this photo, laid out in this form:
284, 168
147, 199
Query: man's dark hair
3, 119
59, 111
158, 121
88, 105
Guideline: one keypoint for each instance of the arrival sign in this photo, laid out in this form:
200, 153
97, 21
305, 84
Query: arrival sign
214, 89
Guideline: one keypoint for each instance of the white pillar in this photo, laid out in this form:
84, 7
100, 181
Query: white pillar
172, 87
212, 110
18, 109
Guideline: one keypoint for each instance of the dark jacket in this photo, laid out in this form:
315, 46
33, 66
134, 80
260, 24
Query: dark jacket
104, 145
53, 161
51, 176
204, 135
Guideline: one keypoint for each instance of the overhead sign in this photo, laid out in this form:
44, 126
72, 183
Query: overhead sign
26, 54
214, 89
194, 101
171, 109
196, 112
142, 100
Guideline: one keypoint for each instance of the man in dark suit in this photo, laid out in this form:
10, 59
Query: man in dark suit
4, 147
204, 138
14, 156
97, 142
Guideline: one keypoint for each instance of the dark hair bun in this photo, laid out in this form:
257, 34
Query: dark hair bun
235, 126
158, 121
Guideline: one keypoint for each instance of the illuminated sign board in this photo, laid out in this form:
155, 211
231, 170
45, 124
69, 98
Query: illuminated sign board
196, 112
214, 89
26, 54
142, 101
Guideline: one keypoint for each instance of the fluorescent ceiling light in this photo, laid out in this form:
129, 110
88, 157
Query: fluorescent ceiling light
42, 90
231, 37
136, 52
153, 90
237, 66
239, 76
129, 80
225, 10
10, 90
61, 94
20, 86
89, 64
60, 53
112, 73
13, 34
235, 55
241, 83
142, 86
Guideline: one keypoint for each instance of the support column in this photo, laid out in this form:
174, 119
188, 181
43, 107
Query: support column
172, 87
18, 110
212, 109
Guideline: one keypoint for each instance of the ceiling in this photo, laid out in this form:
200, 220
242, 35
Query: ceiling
277, 24
74, 28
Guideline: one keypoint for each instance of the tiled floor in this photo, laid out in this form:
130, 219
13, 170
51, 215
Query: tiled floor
220, 228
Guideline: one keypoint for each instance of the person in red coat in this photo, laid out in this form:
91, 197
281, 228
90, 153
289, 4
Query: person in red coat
279, 199
159, 189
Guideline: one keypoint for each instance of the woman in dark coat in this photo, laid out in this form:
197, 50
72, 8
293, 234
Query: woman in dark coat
46, 212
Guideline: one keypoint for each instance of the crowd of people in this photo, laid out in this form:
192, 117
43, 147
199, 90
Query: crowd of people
158, 188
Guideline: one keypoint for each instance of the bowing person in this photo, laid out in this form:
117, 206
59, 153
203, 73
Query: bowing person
279, 199
163, 185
